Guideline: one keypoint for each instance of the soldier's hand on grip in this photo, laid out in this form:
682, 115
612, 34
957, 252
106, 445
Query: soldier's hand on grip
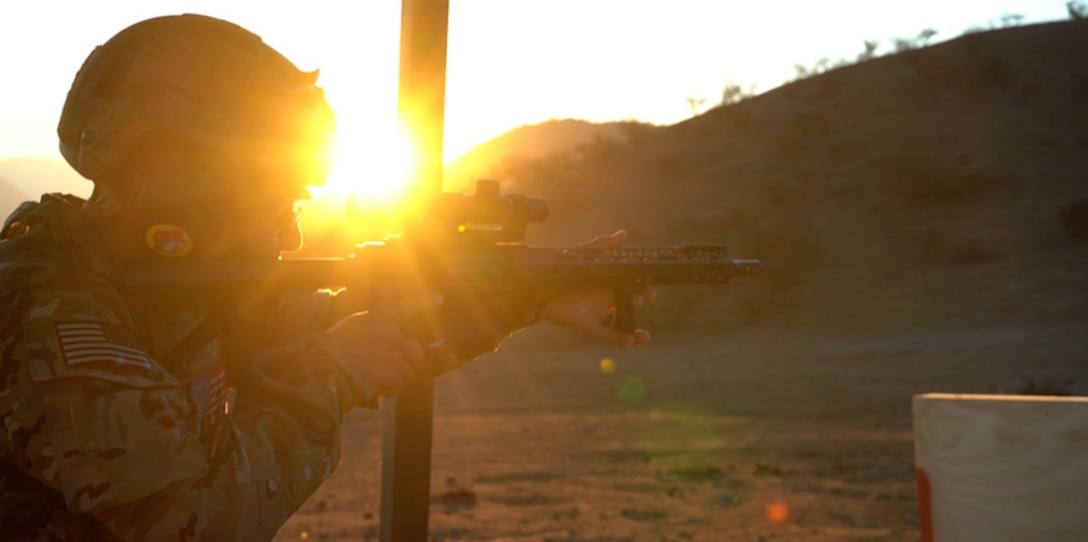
374, 347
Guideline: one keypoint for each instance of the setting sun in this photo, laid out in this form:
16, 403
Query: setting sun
374, 168
365, 192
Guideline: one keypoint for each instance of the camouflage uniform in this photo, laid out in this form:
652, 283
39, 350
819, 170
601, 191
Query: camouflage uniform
102, 441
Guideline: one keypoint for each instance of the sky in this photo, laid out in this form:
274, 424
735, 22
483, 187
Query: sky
510, 62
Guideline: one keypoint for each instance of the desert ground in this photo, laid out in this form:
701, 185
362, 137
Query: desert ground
751, 434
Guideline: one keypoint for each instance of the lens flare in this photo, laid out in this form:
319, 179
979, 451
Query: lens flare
608, 366
371, 168
777, 512
632, 389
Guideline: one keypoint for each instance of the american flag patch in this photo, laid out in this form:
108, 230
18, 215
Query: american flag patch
210, 391
100, 342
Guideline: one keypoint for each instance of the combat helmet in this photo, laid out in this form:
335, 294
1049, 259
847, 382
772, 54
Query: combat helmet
201, 80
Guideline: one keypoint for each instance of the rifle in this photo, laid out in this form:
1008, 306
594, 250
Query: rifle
467, 248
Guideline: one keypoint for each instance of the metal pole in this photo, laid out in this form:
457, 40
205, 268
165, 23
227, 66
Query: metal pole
406, 449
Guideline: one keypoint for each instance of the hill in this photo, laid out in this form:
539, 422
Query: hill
532, 143
10, 196
28, 178
923, 190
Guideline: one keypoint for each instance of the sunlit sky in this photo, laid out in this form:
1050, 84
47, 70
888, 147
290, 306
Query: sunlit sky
511, 62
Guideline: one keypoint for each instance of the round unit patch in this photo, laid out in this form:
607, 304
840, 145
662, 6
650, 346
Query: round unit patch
168, 240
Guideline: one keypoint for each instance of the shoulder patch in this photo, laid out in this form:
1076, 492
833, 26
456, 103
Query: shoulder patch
86, 342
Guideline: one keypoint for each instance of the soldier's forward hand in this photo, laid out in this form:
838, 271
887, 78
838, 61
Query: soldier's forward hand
591, 309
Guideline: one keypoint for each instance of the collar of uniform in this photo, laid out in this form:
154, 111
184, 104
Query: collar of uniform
63, 212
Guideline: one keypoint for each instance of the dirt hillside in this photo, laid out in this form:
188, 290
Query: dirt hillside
524, 145
925, 187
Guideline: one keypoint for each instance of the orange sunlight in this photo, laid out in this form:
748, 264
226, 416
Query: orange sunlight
363, 195
373, 170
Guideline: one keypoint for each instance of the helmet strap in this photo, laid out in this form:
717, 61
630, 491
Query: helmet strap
105, 201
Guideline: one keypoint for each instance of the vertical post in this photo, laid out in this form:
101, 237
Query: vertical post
406, 450
422, 88
406, 463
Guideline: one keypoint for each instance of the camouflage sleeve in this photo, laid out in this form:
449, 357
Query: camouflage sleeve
89, 413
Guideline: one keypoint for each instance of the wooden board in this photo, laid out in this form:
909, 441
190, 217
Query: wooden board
1002, 467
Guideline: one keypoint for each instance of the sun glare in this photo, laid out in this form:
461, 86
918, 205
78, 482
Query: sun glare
365, 194
376, 169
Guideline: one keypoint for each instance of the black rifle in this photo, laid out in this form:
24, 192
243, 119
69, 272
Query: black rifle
467, 248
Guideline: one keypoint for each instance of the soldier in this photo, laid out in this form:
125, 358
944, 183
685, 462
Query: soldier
172, 416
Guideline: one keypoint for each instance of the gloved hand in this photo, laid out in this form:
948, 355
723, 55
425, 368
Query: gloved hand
477, 325
590, 309
375, 348
466, 326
